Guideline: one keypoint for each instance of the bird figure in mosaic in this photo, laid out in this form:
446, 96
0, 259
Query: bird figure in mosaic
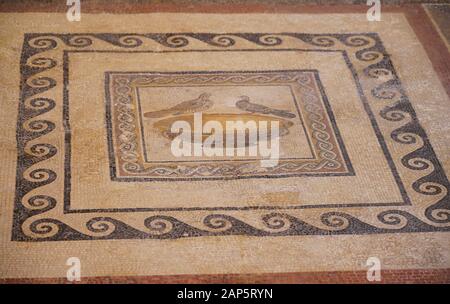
244, 104
199, 104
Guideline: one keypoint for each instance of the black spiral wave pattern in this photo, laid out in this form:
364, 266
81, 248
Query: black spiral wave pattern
44, 42
273, 224
30, 128
411, 132
166, 227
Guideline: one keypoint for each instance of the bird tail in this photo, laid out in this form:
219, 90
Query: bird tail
282, 113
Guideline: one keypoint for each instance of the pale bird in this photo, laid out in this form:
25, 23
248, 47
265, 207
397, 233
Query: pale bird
200, 104
245, 105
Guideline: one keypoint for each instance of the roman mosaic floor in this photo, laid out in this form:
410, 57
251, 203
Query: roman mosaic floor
88, 171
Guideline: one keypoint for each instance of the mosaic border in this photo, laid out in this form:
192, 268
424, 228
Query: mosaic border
330, 150
434, 183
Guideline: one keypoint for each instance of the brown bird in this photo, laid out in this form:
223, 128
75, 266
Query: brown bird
201, 103
245, 105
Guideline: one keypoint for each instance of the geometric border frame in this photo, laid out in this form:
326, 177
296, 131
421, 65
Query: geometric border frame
368, 48
320, 135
